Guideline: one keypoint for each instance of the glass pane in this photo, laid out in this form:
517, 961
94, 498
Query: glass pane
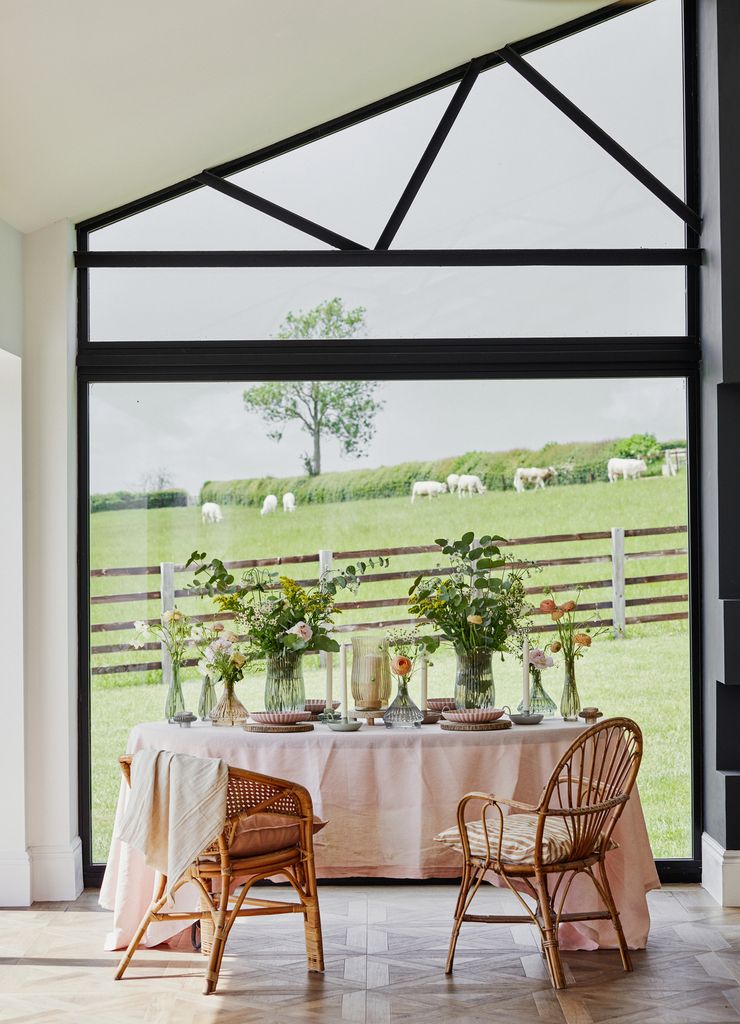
204, 219
516, 173
158, 451
413, 302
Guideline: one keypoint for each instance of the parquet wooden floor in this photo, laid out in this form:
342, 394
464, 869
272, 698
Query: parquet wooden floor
385, 949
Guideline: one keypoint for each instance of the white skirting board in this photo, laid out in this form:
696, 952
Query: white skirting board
15, 879
720, 872
56, 871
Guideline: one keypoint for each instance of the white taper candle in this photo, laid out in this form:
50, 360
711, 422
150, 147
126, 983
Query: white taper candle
329, 680
525, 675
343, 679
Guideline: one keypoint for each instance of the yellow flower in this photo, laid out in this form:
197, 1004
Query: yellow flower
557, 614
475, 620
176, 615
238, 659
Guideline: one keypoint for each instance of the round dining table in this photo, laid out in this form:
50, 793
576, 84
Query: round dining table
386, 794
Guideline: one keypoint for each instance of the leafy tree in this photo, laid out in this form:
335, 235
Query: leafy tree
344, 410
638, 446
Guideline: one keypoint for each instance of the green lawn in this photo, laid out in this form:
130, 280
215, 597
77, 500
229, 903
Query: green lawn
644, 675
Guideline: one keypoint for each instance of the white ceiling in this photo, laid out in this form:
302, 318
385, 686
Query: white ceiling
107, 100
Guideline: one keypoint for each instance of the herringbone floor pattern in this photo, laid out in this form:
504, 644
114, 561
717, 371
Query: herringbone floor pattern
385, 950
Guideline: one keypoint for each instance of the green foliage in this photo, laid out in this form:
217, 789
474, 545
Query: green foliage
344, 409
115, 500
575, 464
479, 605
639, 446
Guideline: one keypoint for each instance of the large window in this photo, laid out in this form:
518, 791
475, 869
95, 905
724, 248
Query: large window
515, 291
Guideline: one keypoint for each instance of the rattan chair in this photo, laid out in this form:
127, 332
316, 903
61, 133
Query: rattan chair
248, 794
543, 848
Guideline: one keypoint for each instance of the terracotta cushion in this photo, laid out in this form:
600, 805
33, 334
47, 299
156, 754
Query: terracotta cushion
264, 833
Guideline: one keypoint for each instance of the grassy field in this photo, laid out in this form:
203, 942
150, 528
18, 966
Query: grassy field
645, 673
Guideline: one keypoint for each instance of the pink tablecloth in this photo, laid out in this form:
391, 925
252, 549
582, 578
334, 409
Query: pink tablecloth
386, 794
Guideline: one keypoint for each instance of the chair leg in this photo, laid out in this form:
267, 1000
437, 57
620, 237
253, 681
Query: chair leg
612, 908
312, 919
220, 933
549, 934
159, 900
468, 888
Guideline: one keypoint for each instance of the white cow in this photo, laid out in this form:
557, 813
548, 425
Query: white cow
427, 489
289, 502
210, 512
269, 505
469, 484
532, 475
626, 468
452, 481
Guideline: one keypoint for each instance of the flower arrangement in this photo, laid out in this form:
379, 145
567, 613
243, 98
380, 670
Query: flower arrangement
574, 637
479, 605
174, 631
278, 615
406, 647
221, 658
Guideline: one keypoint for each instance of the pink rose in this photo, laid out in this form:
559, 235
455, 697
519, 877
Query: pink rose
303, 630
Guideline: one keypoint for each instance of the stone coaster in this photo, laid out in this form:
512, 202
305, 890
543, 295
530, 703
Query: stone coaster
502, 723
260, 727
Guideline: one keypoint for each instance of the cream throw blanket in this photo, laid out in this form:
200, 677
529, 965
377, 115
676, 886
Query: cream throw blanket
176, 808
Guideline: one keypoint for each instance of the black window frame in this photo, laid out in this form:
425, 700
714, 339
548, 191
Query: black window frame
402, 359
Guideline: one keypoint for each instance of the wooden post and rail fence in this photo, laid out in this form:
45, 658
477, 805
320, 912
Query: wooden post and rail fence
616, 601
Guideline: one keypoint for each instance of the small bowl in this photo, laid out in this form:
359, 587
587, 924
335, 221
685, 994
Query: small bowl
280, 717
441, 703
431, 717
474, 716
345, 726
315, 707
522, 719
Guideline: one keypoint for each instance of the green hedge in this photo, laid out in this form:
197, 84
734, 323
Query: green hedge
575, 463
116, 500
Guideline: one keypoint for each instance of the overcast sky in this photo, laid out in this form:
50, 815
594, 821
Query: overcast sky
513, 173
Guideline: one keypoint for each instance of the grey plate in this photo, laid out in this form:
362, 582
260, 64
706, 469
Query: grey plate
345, 726
526, 719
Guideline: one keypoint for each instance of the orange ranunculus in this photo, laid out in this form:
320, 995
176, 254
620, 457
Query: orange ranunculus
401, 665
548, 605
555, 646
557, 614
569, 606
582, 639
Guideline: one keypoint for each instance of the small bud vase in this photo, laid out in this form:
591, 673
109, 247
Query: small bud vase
174, 701
403, 713
284, 687
540, 701
207, 699
229, 710
570, 702
474, 687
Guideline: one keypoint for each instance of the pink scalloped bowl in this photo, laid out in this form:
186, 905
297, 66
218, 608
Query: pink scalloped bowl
316, 706
473, 716
441, 703
279, 717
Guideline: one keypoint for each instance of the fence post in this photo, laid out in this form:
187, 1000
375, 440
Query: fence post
167, 597
618, 601
324, 658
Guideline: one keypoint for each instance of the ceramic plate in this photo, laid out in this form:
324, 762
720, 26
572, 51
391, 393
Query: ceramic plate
280, 717
473, 716
345, 726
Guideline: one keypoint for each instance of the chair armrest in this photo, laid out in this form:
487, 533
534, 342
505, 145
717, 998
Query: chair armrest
487, 800
125, 763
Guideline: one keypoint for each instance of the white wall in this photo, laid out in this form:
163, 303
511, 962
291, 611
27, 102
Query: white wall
50, 554
15, 868
11, 298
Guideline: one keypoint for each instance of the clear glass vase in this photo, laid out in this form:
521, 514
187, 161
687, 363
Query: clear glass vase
174, 701
371, 673
229, 710
540, 701
474, 687
284, 687
207, 699
403, 713
570, 702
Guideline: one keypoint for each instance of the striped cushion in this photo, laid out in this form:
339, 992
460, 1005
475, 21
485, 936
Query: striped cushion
518, 842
